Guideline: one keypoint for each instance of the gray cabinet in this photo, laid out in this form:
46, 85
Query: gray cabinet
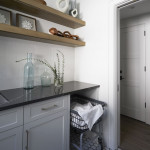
11, 139
49, 133
39, 126
46, 125
11, 128
11, 118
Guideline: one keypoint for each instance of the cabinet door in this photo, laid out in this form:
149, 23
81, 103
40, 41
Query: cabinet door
11, 139
48, 133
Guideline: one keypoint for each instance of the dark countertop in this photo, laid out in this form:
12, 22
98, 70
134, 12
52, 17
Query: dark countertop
20, 97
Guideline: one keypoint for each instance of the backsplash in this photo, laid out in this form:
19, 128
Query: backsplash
11, 49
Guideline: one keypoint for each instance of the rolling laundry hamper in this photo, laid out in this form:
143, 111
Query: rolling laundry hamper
81, 137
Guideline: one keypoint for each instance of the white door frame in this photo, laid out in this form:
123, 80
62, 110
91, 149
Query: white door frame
114, 72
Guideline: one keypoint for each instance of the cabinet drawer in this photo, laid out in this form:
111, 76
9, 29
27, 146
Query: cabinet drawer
43, 109
11, 118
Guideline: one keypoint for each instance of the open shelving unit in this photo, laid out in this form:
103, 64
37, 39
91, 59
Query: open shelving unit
38, 10
20, 33
35, 9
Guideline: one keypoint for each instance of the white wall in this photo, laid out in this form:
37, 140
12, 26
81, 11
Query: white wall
11, 49
91, 61
145, 20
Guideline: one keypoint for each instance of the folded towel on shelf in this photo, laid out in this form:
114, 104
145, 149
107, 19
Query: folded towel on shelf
89, 113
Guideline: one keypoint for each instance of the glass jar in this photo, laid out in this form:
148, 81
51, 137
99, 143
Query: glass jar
45, 78
59, 80
29, 73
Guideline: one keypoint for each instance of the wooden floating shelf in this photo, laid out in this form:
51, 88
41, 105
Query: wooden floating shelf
20, 33
35, 9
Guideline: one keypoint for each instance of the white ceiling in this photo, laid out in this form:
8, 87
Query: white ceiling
136, 9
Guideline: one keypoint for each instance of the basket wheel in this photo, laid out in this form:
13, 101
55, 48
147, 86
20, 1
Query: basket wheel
100, 141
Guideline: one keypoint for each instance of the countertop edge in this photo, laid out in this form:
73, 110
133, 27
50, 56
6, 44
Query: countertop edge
46, 98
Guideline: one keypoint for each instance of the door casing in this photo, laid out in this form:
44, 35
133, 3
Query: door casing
114, 71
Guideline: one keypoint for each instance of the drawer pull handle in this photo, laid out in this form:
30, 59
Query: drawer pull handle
51, 107
27, 147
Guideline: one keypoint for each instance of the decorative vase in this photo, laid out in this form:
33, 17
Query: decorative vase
59, 80
62, 5
45, 78
29, 73
73, 11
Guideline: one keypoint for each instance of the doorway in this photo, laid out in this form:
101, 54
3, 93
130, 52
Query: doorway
134, 23
132, 72
114, 70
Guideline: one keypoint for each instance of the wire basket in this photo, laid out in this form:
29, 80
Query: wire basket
76, 120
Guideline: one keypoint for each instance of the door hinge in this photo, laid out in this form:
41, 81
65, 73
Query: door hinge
118, 87
144, 33
145, 104
145, 68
